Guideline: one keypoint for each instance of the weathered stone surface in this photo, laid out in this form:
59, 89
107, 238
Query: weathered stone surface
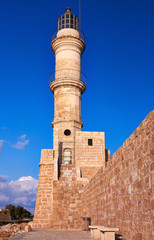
10, 230
28, 228
67, 200
120, 194
44, 200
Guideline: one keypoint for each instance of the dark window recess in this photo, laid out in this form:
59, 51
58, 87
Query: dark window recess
67, 132
90, 142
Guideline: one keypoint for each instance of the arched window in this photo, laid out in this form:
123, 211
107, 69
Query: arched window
67, 156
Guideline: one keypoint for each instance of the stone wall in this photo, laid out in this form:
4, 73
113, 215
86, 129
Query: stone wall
5, 215
44, 199
89, 158
67, 200
120, 194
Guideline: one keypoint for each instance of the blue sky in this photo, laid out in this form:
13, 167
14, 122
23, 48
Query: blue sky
118, 62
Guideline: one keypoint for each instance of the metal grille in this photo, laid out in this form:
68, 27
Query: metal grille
68, 20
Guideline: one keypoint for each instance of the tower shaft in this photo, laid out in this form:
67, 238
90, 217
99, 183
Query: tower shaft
67, 88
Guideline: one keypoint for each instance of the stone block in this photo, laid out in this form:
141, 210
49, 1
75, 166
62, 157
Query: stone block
28, 228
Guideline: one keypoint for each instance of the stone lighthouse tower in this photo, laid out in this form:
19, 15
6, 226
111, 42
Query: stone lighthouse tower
67, 84
76, 156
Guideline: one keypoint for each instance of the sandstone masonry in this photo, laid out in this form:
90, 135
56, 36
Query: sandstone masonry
121, 193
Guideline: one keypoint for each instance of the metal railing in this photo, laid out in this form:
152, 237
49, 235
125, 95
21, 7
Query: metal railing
71, 74
81, 35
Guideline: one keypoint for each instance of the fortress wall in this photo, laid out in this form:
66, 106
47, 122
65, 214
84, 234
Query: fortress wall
120, 194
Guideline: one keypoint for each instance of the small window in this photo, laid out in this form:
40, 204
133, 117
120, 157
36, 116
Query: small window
90, 142
67, 132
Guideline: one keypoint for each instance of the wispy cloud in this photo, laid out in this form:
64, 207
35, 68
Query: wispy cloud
22, 137
1, 145
21, 143
20, 192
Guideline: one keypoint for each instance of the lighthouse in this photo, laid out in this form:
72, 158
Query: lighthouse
76, 155
67, 83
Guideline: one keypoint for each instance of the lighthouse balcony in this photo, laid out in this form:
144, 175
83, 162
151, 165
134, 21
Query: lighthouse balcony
67, 76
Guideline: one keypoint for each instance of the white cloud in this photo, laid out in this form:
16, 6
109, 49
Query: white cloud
1, 144
21, 143
26, 178
28, 184
20, 192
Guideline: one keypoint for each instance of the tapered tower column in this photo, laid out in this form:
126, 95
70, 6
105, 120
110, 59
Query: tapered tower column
67, 83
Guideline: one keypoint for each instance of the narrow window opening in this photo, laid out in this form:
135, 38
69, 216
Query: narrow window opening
67, 156
90, 142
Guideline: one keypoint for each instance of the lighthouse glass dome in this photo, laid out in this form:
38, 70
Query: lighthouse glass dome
68, 20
